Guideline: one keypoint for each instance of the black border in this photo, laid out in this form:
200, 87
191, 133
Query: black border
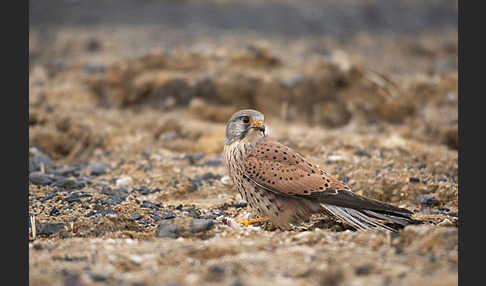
471, 187
15, 140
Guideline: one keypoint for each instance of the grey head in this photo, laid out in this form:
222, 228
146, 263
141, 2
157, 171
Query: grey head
243, 123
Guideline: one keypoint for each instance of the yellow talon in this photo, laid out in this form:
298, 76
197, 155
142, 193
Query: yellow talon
247, 222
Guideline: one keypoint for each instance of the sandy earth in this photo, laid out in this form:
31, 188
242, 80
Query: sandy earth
126, 128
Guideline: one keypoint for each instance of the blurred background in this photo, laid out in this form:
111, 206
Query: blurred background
127, 108
326, 63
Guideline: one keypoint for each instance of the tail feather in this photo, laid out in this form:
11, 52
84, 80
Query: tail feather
398, 220
366, 219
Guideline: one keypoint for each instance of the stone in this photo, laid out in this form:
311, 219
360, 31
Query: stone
36, 159
198, 181
362, 153
414, 180
200, 225
363, 270
136, 216
54, 212
240, 204
97, 168
116, 196
155, 216
124, 181
49, 196
426, 199
49, 228
167, 230
168, 215
65, 171
213, 161
66, 183
106, 211
76, 197
40, 179
194, 157
150, 205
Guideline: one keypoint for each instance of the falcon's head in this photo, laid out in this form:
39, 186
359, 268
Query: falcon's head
243, 124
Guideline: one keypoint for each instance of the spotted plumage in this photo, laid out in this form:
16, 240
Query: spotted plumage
281, 185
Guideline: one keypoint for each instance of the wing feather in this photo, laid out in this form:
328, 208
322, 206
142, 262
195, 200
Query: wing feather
281, 170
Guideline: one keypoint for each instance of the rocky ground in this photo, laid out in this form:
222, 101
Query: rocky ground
126, 128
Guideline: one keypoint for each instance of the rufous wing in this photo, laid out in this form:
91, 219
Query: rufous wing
282, 170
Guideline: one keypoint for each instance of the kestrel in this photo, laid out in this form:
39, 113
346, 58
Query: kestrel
283, 187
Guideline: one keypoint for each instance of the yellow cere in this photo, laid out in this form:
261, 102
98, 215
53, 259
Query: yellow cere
258, 123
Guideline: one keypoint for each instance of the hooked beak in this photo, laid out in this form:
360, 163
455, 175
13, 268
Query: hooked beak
259, 126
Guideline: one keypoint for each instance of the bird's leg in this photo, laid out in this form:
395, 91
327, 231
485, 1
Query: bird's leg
269, 226
248, 221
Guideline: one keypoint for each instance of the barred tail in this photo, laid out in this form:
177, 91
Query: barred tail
367, 219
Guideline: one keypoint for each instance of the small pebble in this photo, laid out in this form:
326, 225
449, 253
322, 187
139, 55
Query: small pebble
73, 198
214, 161
226, 180
362, 153
142, 190
414, 180
36, 159
98, 168
65, 171
41, 179
91, 213
426, 199
97, 277
64, 235
362, 270
216, 269
198, 181
106, 211
200, 225
54, 212
155, 216
454, 214
240, 204
150, 205
336, 158
136, 216
124, 181
48, 197
116, 196
92, 45
167, 230
445, 222
168, 215
194, 157
49, 228
65, 183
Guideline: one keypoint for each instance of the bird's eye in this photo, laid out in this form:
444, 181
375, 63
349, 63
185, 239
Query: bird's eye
246, 119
